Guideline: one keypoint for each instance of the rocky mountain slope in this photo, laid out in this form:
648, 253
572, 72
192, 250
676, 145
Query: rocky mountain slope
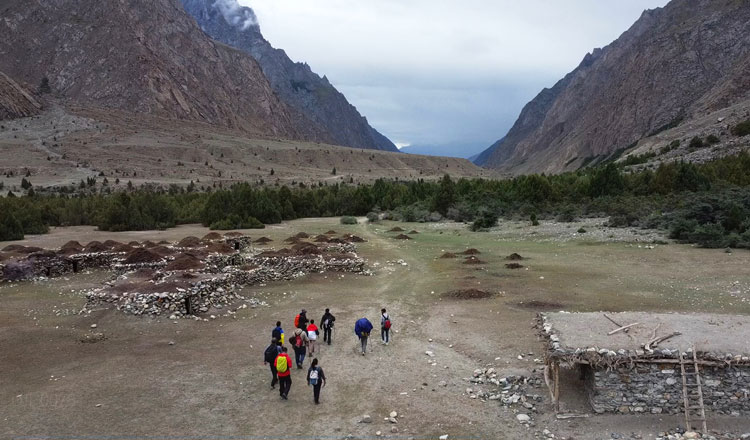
142, 56
15, 101
673, 66
295, 83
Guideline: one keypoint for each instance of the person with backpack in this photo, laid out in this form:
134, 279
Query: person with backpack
300, 321
385, 326
362, 329
282, 364
299, 342
312, 335
317, 378
278, 333
327, 322
269, 357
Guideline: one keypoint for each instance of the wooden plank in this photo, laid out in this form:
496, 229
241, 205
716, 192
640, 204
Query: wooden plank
623, 328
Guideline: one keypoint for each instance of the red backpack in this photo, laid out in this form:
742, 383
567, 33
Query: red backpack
387, 324
298, 341
296, 321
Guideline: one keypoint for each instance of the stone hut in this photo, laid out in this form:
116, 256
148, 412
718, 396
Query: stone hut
633, 362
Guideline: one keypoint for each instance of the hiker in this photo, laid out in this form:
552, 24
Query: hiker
278, 333
299, 342
317, 379
362, 329
269, 357
312, 335
327, 323
385, 326
300, 321
282, 364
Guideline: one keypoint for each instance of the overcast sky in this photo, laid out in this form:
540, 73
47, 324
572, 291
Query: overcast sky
448, 75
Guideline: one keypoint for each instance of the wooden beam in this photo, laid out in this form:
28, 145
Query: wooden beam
624, 327
557, 387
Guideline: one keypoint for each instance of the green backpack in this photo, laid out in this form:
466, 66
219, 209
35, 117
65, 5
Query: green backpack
281, 365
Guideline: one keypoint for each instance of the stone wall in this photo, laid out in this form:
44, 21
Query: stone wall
657, 388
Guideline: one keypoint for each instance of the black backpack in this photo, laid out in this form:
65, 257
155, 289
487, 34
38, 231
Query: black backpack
276, 333
270, 354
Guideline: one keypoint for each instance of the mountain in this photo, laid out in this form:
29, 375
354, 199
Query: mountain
671, 68
144, 57
295, 83
15, 101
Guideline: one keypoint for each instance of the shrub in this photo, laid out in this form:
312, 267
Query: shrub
348, 220
10, 227
567, 214
741, 129
534, 221
233, 221
485, 220
696, 143
712, 139
710, 235
373, 217
581, 231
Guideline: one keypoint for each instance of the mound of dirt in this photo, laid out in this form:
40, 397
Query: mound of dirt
468, 294
396, 229
13, 248
72, 245
162, 250
302, 235
163, 242
321, 239
149, 244
448, 255
141, 255
189, 276
306, 249
471, 251
122, 248
353, 239
412, 232
185, 261
514, 257
402, 237
95, 246
263, 240
189, 242
473, 260
331, 232
220, 248
541, 305
110, 244
233, 234
292, 240
212, 236
134, 243
514, 266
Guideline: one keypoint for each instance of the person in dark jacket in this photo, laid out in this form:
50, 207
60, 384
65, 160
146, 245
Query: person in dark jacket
278, 333
269, 357
302, 323
317, 378
327, 323
362, 329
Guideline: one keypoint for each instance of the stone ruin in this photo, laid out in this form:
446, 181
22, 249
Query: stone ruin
186, 278
630, 362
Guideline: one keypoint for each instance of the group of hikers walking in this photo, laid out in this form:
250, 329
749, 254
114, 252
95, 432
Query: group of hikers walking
304, 337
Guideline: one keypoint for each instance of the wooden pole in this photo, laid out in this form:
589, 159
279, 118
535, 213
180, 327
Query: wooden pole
556, 370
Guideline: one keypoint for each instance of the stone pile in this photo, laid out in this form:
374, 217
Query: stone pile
509, 390
215, 285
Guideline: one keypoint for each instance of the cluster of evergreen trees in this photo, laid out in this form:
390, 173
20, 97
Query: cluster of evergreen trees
708, 203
